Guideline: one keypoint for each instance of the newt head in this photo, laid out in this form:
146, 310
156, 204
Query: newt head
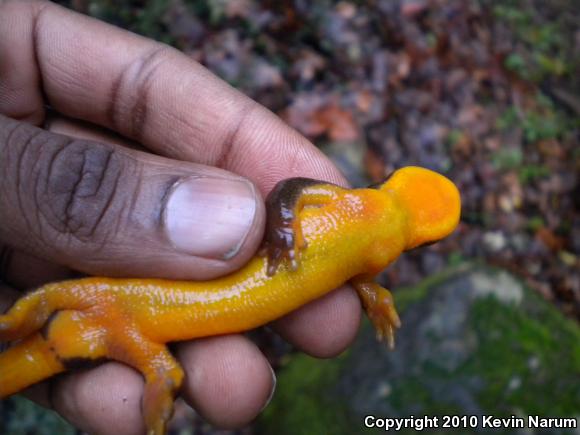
431, 201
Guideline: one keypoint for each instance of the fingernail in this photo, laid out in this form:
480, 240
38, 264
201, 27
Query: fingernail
274, 381
209, 216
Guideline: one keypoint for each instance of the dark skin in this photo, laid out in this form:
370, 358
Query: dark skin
160, 117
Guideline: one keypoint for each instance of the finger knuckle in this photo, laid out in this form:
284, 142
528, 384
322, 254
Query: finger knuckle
131, 91
81, 189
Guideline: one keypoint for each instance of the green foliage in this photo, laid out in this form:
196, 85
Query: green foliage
454, 136
516, 63
544, 122
512, 14
455, 259
217, 10
146, 20
507, 158
541, 47
529, 173
535, 223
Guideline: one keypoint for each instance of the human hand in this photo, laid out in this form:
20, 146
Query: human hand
76, 197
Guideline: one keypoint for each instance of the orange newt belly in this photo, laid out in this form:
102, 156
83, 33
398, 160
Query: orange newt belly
318, 237
167, 310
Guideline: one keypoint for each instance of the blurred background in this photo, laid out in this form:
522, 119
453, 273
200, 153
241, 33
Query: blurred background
484, 91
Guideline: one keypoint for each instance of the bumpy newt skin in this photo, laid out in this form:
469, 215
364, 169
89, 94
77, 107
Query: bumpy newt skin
319, 236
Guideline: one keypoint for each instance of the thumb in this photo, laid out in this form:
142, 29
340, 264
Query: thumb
105, 209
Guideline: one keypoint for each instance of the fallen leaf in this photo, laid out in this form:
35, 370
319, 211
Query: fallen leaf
339, 123
552, 241
316, 116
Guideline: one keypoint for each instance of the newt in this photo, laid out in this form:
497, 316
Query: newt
318, 237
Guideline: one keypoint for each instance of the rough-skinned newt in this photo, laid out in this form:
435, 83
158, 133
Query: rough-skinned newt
318, 237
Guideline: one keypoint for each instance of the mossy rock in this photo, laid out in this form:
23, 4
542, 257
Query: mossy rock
475, 342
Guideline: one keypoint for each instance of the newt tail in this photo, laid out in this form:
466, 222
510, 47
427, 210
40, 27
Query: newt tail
318, 237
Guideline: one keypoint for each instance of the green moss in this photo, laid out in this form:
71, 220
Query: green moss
302, 403
521, 350
26, 418
406, 296
411, 392
527, 351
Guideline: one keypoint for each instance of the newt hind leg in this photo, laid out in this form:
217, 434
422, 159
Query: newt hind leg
26, 316
380, 308
56, 339
108, 332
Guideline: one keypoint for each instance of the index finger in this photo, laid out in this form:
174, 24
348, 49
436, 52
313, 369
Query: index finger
145, 91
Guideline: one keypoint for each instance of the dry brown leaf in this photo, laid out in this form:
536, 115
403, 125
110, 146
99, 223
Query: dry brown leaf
551, 240
339, 123
315, 117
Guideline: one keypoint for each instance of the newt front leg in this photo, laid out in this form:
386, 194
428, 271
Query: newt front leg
284, 238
